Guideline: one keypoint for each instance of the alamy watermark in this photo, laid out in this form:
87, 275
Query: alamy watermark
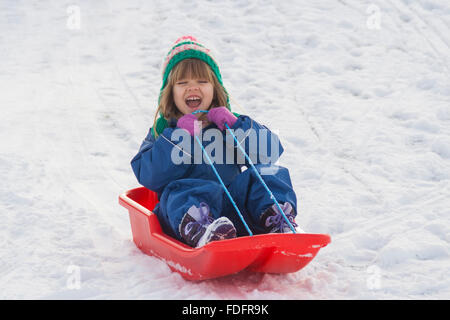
73, 21
261, 146
74, 280
373, 281
373, 22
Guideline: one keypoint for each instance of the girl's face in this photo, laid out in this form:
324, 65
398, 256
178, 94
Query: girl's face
192, 94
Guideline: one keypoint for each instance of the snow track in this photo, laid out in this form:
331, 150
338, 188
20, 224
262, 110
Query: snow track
363, 115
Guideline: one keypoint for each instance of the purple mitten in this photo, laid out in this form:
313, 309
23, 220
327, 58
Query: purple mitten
220, 116
190, 123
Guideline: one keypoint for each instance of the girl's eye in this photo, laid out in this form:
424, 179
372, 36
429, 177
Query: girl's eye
181, 83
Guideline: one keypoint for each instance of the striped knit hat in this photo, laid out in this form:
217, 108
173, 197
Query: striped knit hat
186, 47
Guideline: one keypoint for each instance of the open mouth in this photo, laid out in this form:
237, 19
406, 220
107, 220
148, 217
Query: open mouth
193, 101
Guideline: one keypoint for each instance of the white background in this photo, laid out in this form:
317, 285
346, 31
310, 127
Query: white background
358, 91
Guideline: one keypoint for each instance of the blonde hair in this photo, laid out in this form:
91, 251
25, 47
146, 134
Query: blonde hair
188, 69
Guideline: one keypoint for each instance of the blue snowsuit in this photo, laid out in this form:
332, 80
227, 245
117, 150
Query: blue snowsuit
179, 186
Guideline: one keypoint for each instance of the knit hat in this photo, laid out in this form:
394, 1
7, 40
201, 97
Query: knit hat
186, 47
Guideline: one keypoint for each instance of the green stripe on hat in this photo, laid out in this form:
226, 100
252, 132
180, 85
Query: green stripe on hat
189, 54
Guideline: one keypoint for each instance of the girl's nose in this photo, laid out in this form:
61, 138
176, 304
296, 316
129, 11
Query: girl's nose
192, 87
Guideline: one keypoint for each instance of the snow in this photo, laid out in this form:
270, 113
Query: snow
358, 91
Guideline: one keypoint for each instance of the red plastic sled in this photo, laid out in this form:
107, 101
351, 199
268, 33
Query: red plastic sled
271, 253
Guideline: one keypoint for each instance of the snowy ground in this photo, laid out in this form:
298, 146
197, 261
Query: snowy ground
359, 92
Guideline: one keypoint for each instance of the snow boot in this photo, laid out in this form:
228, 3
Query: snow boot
198, 227
273, 221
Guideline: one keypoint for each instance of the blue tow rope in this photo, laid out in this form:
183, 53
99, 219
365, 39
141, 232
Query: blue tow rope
254, 169
221, 181
261, 180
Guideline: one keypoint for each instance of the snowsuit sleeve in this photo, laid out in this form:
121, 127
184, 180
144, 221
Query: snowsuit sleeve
153, 166
261, 144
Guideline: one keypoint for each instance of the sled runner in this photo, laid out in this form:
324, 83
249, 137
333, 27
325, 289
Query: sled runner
270, 253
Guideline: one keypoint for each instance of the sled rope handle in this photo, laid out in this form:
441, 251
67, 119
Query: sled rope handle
221, 181
261, 180
256, 172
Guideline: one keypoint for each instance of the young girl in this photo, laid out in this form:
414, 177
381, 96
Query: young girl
193, 207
